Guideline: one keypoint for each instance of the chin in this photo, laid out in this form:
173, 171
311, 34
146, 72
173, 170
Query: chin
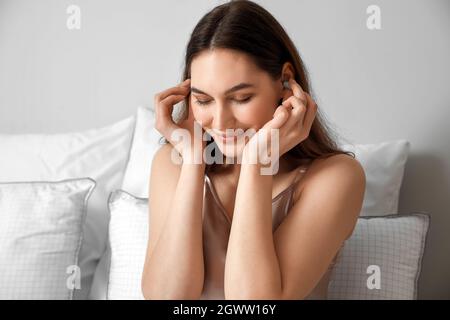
231, 149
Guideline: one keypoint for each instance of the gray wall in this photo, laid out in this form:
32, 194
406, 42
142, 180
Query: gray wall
372, 85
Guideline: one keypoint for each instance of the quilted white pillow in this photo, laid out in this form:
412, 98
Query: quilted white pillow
101, 154
395, 243
128, 232
41, 227
383, 163
382, 259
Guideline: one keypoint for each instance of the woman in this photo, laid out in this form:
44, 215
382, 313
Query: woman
227, 231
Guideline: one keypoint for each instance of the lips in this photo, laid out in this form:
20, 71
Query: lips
229, 133
232, 136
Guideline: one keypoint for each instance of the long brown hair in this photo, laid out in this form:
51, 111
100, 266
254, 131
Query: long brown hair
247, 27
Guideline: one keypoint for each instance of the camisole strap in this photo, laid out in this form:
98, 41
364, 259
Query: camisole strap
300, 173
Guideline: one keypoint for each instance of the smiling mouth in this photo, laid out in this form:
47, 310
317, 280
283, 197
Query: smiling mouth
230, 133
228, 136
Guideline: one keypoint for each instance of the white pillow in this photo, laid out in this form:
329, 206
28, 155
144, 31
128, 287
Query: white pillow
394, 242
144, 146
128, 232
390, 247
384, 165
41, 227
101, 154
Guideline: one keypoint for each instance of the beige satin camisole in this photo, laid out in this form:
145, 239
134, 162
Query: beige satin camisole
216, 231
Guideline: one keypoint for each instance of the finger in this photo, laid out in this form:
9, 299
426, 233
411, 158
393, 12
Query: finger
183, 88
298, 109
173, 99
280, 116
185, 83
310, 112
298, 91
165, 106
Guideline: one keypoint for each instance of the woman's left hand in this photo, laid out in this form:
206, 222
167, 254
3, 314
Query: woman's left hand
293, 120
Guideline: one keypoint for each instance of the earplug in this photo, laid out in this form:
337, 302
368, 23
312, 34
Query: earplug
286, 86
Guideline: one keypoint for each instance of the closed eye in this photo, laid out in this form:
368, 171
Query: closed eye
200, 102
244, 100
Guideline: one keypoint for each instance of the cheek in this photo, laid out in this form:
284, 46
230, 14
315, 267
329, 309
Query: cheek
247, 115
201, 115
256, 114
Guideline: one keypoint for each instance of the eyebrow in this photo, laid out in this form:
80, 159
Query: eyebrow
237, 87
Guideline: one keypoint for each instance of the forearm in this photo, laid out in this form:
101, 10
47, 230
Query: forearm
176, 269
252, 270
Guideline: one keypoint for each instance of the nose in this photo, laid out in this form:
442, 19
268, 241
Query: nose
223, 118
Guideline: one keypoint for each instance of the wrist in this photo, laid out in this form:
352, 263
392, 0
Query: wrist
251, 161
193, 156
193, 168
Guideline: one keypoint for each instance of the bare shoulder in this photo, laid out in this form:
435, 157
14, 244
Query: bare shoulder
163, 153
340, 164
165, 172
333, 190
335, 171
163, 161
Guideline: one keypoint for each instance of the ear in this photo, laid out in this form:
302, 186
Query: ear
286, 74
287, 71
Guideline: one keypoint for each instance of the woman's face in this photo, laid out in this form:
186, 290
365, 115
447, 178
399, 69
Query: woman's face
217, 107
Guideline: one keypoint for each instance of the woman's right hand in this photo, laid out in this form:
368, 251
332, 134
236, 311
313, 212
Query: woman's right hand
187, 148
